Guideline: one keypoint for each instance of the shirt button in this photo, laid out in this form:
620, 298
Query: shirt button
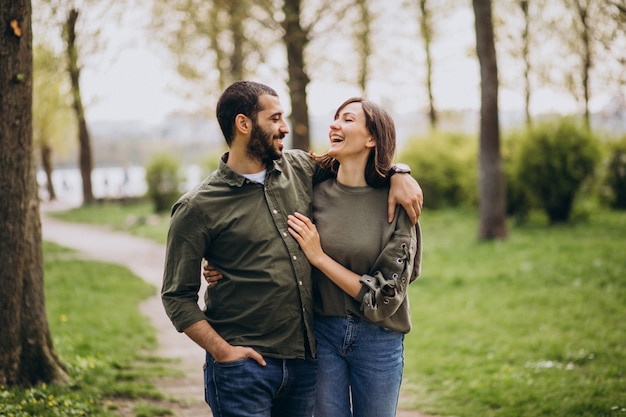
275, 211
284, 233
294, 257
300, 282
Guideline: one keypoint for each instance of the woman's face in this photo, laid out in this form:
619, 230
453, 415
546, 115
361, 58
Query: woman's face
348, 135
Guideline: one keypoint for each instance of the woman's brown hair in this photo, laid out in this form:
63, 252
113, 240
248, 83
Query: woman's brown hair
382, 128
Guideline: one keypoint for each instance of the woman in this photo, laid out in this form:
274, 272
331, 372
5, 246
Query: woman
363, 266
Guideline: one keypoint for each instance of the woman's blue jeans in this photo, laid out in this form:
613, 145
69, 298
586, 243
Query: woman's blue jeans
360, 368
282, 388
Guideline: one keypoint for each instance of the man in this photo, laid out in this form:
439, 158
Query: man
257, 326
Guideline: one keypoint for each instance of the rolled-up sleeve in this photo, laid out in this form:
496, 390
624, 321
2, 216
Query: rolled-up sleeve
181, 278
399, 263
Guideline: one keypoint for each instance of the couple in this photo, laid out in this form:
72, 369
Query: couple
251, 220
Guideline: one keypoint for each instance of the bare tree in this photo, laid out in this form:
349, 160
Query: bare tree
27, 356
362, 35
80, 23
194, 30
491, 180
523, 4
591, 32
296, 40
212, 42
52, 118
427, 31
85, 159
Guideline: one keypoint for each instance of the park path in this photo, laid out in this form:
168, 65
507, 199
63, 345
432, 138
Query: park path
145, 258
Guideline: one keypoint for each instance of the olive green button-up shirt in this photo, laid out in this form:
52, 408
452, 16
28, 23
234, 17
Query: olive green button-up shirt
265, 297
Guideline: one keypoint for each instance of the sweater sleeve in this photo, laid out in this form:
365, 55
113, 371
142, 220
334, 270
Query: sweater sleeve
399, 264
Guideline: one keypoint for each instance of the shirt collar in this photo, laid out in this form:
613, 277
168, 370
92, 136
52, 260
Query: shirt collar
234, 178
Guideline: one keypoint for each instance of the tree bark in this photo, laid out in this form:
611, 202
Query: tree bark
296, 40
491, 180
26, 353
46, 162
582, 11
426, 30
85, 157
526, 57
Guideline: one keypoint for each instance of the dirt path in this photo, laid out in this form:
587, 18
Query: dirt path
145, 258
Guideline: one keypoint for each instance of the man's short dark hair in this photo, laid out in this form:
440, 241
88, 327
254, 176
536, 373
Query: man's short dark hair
241, 97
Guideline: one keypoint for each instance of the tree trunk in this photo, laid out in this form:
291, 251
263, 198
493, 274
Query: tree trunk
586, 57
26, 353
526, 57
426, 30
491, 180
365, 50
85, 158
46, 162
296, 40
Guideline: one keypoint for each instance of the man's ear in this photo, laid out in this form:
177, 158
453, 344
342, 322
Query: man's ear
242, 124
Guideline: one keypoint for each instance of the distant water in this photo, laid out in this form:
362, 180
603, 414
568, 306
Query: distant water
106, 182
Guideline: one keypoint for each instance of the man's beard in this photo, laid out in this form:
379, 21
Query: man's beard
261, 145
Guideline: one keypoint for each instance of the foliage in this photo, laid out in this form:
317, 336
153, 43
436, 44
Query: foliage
163, 180
530, 327
137, 218
554, 162
518, 203
52, 113
616, 173
445, 165
100, 334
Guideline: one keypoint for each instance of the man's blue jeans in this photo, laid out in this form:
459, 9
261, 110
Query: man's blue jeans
282, 388
356, 357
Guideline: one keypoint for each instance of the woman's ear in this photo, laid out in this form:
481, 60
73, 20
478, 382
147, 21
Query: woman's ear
371, 142
242, 124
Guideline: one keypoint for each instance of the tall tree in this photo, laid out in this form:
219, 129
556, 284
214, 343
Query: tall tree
592, 33
491, 180
203, 36
363, 38
427, 32
523, 4
85, 159
27, 356
212, 42
296, 40
80, 24
52, 119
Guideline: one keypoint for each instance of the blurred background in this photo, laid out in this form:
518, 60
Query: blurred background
148, 75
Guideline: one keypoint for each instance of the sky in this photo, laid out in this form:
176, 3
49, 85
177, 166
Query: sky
136, 81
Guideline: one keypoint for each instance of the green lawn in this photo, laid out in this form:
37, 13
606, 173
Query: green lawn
100, 335
533, 326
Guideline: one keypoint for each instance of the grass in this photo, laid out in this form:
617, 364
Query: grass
533, 326
100, 335
138, 219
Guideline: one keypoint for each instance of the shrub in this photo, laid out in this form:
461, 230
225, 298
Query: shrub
518, 199
445, 166
163, 180
554, 161
616, 174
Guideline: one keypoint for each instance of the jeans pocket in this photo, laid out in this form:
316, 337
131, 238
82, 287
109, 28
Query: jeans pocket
208, 382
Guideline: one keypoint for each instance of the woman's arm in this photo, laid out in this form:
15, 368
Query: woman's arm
305, 233
380, 293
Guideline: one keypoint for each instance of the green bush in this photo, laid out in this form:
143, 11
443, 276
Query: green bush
518, 199
616, 174
554, 162
163, 180
445, 166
